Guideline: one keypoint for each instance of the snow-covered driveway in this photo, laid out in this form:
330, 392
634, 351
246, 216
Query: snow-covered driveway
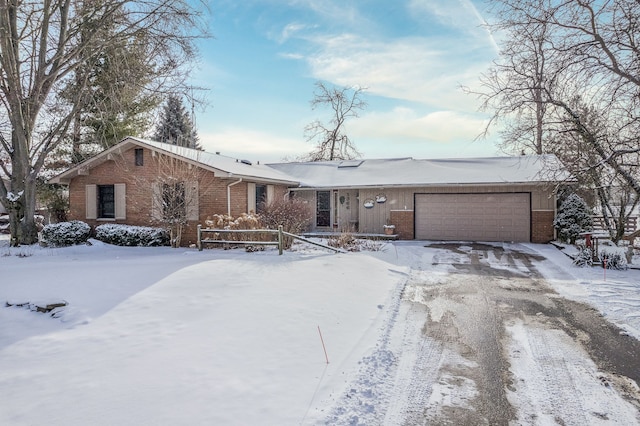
481, 338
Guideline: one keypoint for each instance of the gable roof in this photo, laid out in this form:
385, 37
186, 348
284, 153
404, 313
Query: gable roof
412, 172
222, 166
352, 173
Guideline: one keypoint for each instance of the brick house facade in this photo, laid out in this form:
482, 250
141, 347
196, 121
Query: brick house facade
126, 176
483, 199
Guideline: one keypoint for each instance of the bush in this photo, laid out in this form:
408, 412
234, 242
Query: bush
293, 214
584, 257
65, 234
127, 235
574, 217
348, 242
614, 257
244, 221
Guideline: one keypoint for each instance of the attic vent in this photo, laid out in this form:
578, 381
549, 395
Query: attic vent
350, 163
247, 162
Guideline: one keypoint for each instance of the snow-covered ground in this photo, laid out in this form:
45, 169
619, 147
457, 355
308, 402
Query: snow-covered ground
160, 336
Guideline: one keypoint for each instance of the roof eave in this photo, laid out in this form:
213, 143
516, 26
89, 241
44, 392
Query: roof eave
419, 185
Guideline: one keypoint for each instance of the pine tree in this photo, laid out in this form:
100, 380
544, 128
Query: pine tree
175, 125
112, 85
574, 217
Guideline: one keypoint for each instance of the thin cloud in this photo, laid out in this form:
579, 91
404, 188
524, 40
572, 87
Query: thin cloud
424, 70
403, 123
252, 144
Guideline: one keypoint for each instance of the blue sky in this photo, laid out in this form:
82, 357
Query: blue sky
411, 55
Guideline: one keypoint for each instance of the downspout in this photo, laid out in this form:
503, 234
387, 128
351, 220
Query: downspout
229, 195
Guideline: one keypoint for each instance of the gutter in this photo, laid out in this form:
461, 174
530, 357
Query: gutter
229, 195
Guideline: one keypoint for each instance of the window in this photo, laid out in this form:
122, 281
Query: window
323, 208
139, 156
261, 197
174, 200
106, 202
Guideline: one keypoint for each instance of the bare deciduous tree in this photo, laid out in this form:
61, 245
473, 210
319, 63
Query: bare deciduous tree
42, 46
563, 63
331, 141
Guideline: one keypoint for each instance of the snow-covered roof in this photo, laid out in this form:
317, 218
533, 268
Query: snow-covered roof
221, 165
414, 172
354, 173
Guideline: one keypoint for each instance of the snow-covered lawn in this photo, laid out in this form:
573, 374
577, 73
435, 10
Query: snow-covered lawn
159, 336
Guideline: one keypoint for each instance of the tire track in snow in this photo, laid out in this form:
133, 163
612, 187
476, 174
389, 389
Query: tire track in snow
554, 386
451, 354
555, 382
420, 359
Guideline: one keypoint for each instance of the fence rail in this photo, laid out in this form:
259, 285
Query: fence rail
630, 225
278, 241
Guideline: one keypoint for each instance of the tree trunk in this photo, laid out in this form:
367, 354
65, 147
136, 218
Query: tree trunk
28, 227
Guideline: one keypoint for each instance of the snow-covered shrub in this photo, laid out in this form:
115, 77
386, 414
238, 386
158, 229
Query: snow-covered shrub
128, 235
347, 241
613, 258
584, 257
65, 234
574, 217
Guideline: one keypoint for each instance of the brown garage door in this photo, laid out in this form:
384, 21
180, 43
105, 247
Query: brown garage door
473, 217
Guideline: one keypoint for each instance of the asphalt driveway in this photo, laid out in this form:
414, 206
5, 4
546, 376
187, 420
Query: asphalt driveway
499, 346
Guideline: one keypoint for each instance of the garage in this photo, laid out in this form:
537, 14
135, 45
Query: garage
473, 217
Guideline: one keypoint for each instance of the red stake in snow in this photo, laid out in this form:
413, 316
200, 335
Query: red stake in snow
323, 346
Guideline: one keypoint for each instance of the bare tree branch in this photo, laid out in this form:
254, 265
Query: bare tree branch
331, 141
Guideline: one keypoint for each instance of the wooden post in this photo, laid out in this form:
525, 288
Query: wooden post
280, 240
199, 237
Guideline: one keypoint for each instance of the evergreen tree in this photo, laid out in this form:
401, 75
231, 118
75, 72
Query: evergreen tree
112, 85
175, 125
574, 217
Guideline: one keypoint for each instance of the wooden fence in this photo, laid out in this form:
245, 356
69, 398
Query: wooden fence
629, 226
277, 237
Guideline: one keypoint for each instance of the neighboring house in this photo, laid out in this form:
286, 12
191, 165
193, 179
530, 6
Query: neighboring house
476, 199
483, 199
123, 184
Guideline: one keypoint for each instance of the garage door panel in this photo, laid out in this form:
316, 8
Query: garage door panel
479, 217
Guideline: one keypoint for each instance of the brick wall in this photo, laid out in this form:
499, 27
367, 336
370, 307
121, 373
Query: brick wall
403, 221
542, 226
212, 191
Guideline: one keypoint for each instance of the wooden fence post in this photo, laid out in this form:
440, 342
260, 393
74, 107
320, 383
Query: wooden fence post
199, 237
280, 240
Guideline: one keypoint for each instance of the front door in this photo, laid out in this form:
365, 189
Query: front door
323, 208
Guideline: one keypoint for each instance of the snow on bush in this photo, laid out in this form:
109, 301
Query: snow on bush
65, 234
584, 257
574, 217
613, 258
347, 241
128, 235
